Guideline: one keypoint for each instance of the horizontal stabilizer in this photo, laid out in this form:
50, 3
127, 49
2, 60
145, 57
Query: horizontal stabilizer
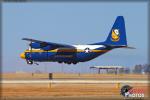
129, 47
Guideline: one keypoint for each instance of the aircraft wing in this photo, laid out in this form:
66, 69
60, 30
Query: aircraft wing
48, 44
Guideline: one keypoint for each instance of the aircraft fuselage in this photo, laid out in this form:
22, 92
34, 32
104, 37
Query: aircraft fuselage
80, 53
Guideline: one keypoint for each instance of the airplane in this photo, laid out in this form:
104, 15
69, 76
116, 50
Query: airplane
41, 51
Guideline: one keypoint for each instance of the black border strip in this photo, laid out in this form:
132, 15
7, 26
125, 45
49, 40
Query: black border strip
19, 1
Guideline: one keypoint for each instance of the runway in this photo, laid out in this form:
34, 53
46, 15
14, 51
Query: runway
72, 81
29, 86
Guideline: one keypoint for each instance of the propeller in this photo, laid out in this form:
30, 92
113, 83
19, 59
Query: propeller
30, 48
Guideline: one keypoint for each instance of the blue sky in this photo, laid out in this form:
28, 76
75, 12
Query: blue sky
72, 23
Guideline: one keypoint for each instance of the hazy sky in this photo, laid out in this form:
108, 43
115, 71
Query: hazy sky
72, 23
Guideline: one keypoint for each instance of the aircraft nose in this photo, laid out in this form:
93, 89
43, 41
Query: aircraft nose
22, 55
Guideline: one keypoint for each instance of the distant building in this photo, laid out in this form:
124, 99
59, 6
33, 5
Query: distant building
124, 70
109, 69
138, 69
146, 69
141, 69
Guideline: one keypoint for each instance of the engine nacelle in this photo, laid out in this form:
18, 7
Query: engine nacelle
35, 45
47, 48
41, 46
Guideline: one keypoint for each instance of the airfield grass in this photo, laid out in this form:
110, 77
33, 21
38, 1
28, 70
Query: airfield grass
72, 76
58, 90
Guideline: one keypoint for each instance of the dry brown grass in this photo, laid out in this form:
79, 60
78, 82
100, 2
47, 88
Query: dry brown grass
72, 76
24, 90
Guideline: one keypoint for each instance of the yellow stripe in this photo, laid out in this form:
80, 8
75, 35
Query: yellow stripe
41, 50
99, 50
56, 50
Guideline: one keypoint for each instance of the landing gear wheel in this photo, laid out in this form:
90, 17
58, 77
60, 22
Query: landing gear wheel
29, 62
69, 63
59, 61
74, 62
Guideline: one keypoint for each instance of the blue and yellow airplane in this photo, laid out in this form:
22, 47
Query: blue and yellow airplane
41, 51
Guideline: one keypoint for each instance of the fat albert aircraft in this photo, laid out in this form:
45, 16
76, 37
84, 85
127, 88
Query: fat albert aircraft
41, 51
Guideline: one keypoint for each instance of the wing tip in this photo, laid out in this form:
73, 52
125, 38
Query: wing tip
25, 38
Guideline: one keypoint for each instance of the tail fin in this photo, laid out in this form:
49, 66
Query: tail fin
117, 35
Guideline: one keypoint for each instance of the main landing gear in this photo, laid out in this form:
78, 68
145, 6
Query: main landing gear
67, 62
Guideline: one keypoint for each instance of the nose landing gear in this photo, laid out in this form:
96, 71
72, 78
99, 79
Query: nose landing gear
29, 62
